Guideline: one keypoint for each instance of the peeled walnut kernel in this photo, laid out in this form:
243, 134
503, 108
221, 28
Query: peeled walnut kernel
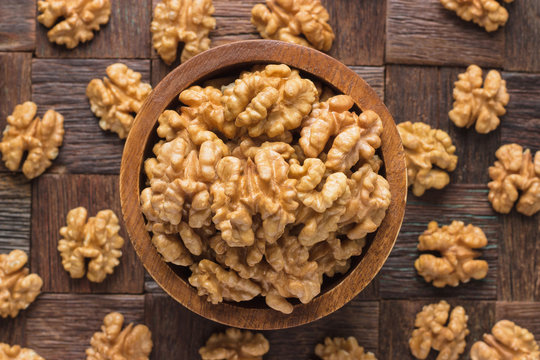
303, 22
474, 103
235, 344
187, 21
342, 349
17, 353
488, 14
508, 342
78, 19
455, 243
424, 148
117, 98
18, 289
95, 239
431, 332
25, 132
515, 171
132, 343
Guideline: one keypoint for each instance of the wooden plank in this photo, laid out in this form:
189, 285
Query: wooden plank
424, 32
126, 35
12, 330
522, 33
467, 203
53, 197
60, 326
17, 25
524, 314
374, 76
15, 210
86, 148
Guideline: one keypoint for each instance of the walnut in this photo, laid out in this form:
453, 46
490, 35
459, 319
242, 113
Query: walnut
425, 147
303, 22
455, 243
430, 332
96, 239
508, 342
18, 289
342, 349
117, 98
187, 21
235, 344
78, 19
515, 170
488, 14
476, 103
17, 353
132, 343
25, 132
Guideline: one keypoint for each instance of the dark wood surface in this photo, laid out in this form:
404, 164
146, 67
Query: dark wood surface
410, 51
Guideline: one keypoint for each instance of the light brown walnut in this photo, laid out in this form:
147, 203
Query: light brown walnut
515, 172
95, 239
27, 133
17, 353
342, 349
507, 341
455, 243
488, 14
303, 22
424, 148
116, 99
186, 21
431, 332
131, 343
79, 18
235, 344
474, 103
18, 289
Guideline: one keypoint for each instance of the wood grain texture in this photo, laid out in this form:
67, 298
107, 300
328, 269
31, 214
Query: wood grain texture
17, 25
53, 197
524, 314
12, 330
61, 84
374, 76
522, 33
126, 35
15, 210
60, 326
424, 32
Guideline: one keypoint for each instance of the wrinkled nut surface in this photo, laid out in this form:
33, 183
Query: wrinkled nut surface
235, 344
18, 288
27, 133
424, 148
95, 239
111, 343
79, 19
488, 14
187, 21
342, 349
514, 172
17, 353
303, 22
117, 98
507, 341
476, 103
431, 332
455, 243
231, 195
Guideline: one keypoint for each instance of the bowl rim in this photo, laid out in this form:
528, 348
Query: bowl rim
210, 63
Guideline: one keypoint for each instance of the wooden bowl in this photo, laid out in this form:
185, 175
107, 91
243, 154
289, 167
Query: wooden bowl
254, 314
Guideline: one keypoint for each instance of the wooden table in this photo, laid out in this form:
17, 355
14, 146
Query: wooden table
410, 51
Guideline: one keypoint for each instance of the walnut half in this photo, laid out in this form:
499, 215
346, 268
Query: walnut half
235, 344
342, 349
488, 14
17, 353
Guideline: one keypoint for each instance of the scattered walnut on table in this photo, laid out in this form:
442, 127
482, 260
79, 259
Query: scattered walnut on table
117, 98
507, 342
235, 344
131, 343
342, 349
515, 171
187, 21
431, 332
424, 148
488, 14
18, 288
26, 132
303, 22
17, 353
95, 239
78, 19
474, 103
